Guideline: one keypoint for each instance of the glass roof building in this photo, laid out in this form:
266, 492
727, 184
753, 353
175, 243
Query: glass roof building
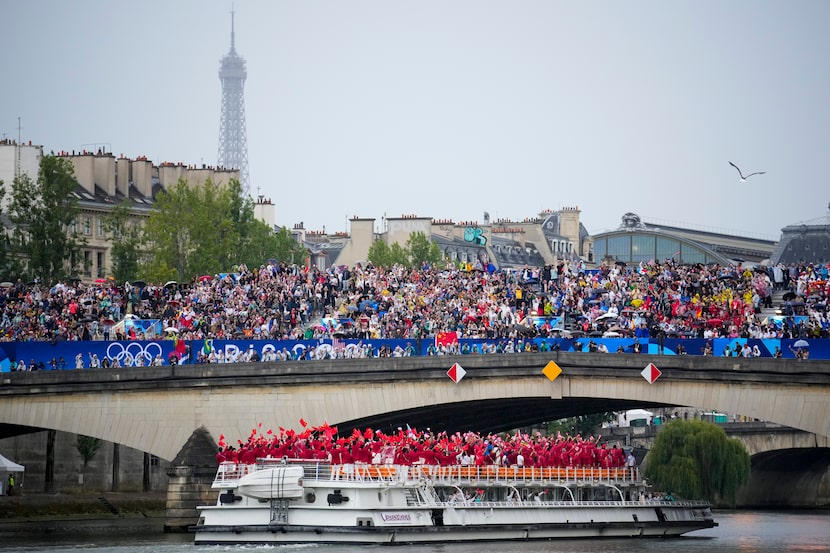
805, 242
634, 242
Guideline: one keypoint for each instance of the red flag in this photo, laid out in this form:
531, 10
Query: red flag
303, 423
446, 338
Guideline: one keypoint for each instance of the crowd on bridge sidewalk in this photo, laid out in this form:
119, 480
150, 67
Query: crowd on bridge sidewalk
277, 301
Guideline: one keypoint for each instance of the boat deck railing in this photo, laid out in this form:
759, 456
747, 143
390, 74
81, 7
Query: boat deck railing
566, 503
527, 475
450, 475
229, 472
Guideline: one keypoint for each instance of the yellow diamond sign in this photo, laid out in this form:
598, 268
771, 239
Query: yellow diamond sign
551, 370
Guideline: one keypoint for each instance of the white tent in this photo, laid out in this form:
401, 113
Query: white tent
10, 466
6, 467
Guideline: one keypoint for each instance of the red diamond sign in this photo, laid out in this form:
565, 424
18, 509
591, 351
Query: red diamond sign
456, 373
651, 373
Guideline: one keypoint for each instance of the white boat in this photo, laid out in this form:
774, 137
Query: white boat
275, 502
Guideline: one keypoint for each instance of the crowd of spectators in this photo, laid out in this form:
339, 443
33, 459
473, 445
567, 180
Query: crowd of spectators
409, 446
289, 302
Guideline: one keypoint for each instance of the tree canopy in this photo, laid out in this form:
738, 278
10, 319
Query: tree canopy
582, 424
418, 251
44, 214
695, 459
196, 230
127, 242
423, 251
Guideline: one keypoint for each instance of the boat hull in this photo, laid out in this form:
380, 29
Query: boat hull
484, 523
284, 534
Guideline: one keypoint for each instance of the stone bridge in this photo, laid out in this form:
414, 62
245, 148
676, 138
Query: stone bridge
161, 410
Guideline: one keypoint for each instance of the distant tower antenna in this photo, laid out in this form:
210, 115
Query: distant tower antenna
18, 168
233, 139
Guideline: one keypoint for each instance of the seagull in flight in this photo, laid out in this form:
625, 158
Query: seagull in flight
743, 178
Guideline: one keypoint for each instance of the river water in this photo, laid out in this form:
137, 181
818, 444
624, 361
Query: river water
738, 532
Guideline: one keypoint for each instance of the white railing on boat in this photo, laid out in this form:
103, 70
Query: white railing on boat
526, 475
230, 472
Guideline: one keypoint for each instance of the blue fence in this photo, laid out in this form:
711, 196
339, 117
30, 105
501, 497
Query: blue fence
62, 355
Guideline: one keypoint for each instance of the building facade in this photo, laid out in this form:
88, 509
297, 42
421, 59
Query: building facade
17, 159
104, 181
545, 239
805, 242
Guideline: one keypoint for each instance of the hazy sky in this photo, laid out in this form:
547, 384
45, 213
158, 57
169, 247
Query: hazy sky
448, 108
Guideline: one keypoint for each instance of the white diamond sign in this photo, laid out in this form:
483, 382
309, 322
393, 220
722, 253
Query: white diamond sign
651, 373
456, 373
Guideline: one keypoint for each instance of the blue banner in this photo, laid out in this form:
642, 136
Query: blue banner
136, 353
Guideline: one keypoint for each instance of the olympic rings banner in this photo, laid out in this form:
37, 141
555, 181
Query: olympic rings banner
65, 355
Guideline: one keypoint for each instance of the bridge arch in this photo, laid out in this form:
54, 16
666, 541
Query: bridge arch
157, 409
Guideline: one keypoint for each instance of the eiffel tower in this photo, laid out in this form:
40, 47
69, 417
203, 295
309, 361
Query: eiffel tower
233, 139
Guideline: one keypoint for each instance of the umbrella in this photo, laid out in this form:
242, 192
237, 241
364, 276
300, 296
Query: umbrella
100, 280
607, 316
714, 322
171, 329
139, 283
522, 329
620, 263
801, 344
351, 308
611, 334
6, 284
170, 283
174, 302
108, 322
204, 278
789, 296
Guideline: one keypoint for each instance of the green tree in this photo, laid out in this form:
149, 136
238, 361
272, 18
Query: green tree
582, 424
422, 250
398, 255
286, 248
696, 459
191, 232
87, 446
256, 240
10, 268
379, 254
209, 229
382, 255
127, 242
44, 214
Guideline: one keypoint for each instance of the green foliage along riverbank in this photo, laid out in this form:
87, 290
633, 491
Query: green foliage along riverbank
696, 460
